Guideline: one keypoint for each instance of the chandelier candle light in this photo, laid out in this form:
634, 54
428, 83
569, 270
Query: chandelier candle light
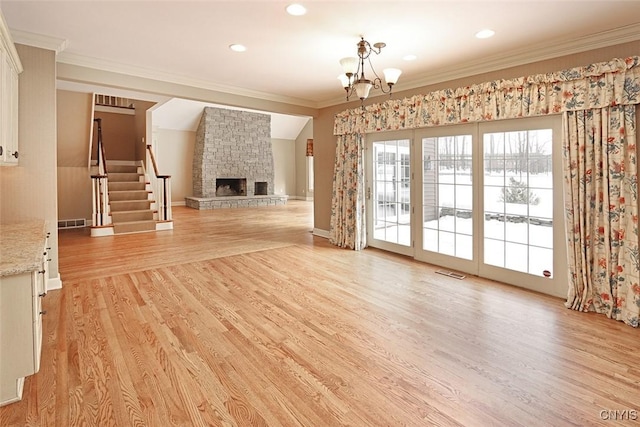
353, 79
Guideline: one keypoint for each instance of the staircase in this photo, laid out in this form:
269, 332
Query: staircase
129, 201
128, 196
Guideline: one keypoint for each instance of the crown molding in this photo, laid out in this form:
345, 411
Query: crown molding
532, 54
40, 41
515, 58
527, 55
100, 64
59, 45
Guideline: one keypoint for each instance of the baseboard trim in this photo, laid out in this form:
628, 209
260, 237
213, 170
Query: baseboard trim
164, 225
106, 230
321, 233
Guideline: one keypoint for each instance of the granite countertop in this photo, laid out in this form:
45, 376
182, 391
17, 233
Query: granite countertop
21, 247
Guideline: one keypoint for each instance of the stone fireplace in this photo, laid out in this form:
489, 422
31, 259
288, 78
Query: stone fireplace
233, 160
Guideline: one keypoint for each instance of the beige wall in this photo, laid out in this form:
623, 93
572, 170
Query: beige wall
74, 128
174, 157
28, 191
141, 129
118, 135
284, 166
325, 142
74, 193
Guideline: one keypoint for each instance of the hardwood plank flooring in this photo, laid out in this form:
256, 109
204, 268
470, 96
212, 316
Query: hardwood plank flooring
243, 318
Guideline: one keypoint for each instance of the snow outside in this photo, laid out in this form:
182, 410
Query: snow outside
518, 197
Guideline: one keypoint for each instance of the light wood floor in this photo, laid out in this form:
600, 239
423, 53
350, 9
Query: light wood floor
243, 318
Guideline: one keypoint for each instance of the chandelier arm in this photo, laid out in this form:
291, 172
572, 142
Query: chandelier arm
350, 91
377, 82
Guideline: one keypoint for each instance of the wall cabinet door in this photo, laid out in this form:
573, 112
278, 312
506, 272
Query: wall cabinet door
9, 69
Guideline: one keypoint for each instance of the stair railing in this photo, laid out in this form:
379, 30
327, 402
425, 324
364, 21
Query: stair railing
99, 185
161, 185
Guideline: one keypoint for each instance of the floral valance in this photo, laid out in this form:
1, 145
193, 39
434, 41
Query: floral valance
616, 82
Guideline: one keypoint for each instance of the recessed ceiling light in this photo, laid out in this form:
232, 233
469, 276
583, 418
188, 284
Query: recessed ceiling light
237, 47
485, 34
296, 9
409, 57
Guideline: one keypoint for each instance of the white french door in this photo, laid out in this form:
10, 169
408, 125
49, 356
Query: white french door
522, 235
484, 199
446, 163
388, 192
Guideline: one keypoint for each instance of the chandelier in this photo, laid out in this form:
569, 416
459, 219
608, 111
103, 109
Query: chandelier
353, 79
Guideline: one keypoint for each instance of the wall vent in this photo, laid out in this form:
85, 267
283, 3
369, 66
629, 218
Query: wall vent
72, 223
451, 274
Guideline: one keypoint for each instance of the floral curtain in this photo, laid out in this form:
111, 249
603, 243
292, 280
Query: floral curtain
602, 86
595, 86
348, 226
602, 212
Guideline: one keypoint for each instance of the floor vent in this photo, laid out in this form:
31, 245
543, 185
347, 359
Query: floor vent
451, 274
72, 223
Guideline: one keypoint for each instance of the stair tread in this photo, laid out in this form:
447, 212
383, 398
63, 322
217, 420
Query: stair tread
141, 221
134, 211
130, 182
129, 195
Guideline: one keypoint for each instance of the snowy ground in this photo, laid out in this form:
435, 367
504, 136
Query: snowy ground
520, 246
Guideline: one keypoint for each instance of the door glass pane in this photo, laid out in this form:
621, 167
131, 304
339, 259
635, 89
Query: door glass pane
447, 243
430, 239
447, 195
391, 191
518, 200
496, 248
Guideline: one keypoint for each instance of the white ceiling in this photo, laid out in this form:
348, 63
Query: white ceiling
295, 59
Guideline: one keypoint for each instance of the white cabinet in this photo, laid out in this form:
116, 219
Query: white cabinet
10, 67
21, 314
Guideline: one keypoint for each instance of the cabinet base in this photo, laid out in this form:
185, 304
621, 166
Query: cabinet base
8, 396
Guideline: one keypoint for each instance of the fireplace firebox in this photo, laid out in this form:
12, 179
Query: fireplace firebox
231, 187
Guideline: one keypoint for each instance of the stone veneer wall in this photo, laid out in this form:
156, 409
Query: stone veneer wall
232, 144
